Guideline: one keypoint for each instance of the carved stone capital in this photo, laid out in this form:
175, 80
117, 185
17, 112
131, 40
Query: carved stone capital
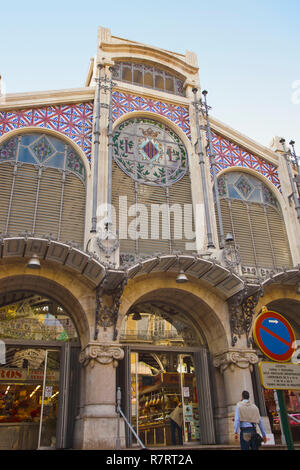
101, 353
235, 358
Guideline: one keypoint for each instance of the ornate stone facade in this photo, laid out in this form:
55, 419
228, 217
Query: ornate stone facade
209, 289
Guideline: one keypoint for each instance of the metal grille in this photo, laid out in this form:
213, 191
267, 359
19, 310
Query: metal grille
41, 201
160, 223
259, 233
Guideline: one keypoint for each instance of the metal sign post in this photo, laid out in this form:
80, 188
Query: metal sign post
286, 428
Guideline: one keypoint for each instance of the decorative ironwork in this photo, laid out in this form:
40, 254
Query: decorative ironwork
231, 256
198, 105
107, 315
241, 311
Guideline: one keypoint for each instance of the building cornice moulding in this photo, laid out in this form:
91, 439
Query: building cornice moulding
141, 51
13, 101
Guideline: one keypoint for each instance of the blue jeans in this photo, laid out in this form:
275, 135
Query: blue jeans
251, 444
175, 429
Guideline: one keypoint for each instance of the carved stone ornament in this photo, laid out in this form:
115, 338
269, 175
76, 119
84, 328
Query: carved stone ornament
101, 353
235, 358
241, 309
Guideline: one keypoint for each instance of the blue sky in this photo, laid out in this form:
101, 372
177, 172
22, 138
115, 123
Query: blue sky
248, 51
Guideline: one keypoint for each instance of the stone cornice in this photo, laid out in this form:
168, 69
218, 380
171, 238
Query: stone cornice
46, 98
159, 56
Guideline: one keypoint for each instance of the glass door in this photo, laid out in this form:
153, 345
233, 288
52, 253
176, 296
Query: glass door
164, 403
189, 398
49, 400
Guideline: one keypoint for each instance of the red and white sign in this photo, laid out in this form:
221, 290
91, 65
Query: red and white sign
31, 375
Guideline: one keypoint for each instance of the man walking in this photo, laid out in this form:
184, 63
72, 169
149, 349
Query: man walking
246, 418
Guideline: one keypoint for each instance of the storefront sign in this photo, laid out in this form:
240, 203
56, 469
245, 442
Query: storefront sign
274, 336
25, 375
280, 376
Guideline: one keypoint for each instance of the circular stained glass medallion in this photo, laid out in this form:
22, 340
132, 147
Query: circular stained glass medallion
149, 152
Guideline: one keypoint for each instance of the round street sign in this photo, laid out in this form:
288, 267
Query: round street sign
274, 336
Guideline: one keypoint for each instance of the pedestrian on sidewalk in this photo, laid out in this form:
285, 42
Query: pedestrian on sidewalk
247, 417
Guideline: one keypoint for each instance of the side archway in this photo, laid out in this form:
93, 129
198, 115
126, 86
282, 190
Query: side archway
54, 291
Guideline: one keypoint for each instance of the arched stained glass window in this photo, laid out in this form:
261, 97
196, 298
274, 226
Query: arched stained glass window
42, 188
150, 172
148, 76
251, 212
45, 150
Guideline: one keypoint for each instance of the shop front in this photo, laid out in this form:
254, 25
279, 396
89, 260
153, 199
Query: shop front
38, 373
166, 371
160, 383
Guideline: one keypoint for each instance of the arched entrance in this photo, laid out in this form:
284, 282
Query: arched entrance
40, 332
165, 335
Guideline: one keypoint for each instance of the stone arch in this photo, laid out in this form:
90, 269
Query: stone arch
202, 305
68, 296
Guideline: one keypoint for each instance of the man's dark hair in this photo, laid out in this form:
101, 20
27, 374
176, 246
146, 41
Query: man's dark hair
245, 395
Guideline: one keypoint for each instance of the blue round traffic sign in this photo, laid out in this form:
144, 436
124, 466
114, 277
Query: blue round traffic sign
274, 336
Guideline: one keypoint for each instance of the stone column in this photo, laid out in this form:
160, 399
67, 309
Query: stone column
235, 366
96, 426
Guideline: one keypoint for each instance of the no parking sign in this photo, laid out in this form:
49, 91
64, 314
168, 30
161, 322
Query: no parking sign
274, 336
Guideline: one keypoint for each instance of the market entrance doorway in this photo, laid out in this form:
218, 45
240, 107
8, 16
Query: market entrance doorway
39, 373
165, 377
164, 402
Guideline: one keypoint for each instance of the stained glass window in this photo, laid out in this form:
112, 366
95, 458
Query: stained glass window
148, 76
149, 152
43, 149
240, 185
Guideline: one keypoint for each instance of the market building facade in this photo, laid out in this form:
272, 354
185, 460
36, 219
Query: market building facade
140, 239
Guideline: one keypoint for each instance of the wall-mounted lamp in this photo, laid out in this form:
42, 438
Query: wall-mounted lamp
34, 262
229, 239
181, 278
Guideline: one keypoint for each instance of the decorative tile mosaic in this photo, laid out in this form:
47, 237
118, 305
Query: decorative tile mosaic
229, 154
124, 103
74, 121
